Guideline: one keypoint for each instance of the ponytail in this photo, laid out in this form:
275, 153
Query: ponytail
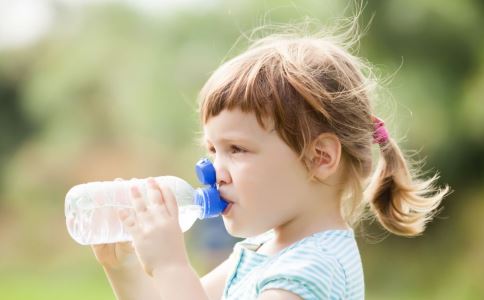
402, 204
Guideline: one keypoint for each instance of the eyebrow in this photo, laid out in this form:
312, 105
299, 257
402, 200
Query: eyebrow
228, 140
204, 142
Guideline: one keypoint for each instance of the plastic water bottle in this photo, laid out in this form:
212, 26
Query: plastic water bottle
91, 208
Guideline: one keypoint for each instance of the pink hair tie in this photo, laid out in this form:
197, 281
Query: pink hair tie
380, 133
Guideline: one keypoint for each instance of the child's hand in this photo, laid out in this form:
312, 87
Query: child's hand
157, 236
115, 256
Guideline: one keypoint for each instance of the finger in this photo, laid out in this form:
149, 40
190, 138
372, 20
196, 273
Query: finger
153, 192
126, 246
129, 221
155, 197
170, 200
144, 214
126, 217
137, 199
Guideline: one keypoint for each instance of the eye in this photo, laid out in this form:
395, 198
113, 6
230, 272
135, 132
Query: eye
234, 149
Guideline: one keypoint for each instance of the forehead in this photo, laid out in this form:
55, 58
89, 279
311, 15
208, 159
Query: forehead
235, 125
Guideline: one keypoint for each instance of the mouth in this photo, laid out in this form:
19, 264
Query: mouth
227, 208
222, 196
230, 203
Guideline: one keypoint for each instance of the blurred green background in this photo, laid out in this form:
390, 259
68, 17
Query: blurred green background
94, 90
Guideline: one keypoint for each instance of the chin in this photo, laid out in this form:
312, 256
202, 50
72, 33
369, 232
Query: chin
233, 229
239, 230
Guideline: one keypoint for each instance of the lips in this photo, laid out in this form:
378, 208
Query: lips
227, 209
226, 198
229, 205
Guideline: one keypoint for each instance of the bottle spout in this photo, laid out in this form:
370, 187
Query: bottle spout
209, 200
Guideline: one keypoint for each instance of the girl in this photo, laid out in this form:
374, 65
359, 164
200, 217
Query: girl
290, 126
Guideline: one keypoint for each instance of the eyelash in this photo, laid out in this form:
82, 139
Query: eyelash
211, 150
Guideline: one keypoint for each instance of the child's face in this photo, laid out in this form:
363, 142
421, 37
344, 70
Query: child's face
256, 171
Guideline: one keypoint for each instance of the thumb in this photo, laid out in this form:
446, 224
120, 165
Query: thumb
129, 221
170, 200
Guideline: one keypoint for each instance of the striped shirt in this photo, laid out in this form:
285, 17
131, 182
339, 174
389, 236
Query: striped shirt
324, 265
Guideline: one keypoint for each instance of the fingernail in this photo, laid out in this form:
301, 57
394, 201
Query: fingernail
135, 192
152, 183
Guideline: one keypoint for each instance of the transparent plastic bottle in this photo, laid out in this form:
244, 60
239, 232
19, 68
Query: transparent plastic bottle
91, 208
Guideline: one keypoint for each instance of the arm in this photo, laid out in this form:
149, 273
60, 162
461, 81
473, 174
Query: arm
179, 282
214, 282
124, 272
129, 281
131, 284
210, 287
157, 224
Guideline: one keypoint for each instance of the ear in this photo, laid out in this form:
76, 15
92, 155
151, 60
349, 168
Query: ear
324, 155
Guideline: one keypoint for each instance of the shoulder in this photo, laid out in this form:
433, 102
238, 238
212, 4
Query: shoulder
308, 269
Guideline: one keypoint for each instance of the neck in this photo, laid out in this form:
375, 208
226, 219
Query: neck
325, 215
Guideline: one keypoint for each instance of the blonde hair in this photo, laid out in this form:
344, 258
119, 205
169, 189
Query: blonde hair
310, 84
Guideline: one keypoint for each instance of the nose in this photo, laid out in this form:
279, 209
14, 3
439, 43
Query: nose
222, 173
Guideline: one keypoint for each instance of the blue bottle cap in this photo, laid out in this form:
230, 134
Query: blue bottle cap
205, 171
209, 199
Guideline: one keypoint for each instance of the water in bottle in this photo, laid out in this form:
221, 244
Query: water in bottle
91, 208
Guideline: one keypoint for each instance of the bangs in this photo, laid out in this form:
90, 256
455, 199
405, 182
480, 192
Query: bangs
246, 83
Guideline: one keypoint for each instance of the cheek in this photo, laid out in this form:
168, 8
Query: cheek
283, 171
270, 182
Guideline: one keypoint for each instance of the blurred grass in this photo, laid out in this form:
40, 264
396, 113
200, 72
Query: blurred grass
77, 281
